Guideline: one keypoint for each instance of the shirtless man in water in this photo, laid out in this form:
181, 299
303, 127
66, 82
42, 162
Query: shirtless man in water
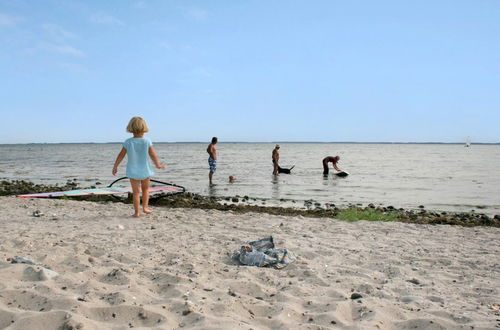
276, 158
212, 159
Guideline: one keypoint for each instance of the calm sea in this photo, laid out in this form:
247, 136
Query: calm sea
440, 177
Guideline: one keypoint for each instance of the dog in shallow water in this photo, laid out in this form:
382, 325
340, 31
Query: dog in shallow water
285, 170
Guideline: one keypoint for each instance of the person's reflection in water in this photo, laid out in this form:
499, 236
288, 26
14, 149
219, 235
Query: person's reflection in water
327, 181
212, 190
275, 193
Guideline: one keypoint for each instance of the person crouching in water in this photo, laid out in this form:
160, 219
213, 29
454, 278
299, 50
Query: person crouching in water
334, 161
138, 150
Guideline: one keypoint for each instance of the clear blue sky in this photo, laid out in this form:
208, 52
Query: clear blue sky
326, 70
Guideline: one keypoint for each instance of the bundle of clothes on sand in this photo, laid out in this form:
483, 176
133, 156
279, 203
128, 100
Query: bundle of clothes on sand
262, 253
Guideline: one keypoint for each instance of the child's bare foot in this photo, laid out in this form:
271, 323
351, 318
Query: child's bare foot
147, 211
136, 215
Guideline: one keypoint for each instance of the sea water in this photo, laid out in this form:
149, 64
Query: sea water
438, 176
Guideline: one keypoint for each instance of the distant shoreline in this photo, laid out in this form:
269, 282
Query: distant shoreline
271, 142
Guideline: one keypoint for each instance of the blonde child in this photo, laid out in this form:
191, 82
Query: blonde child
138, 150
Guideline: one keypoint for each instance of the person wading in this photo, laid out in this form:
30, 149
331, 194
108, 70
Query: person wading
212, 159
276, 159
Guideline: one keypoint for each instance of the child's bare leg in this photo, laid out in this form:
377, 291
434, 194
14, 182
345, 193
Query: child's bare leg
136, 196
145, 196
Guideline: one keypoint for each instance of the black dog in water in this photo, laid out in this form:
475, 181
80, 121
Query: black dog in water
285, 170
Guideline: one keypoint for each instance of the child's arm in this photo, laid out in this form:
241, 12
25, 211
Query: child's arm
154, 158
118, 160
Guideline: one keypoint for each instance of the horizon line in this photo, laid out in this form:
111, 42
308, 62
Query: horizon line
269, 142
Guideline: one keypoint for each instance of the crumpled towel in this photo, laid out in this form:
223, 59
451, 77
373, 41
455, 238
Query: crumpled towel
262, 253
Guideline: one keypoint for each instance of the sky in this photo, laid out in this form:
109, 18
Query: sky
250, 71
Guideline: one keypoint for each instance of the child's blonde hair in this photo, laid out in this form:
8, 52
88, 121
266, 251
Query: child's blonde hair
137, 125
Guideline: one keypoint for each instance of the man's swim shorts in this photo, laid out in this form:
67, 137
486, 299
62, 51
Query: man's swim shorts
212, 163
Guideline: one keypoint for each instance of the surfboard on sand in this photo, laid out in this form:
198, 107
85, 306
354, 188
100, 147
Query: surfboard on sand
341, 174
163, 188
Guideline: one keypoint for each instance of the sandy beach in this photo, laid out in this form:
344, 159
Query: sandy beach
98, 268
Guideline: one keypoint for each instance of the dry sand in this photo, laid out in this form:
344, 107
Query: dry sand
172, 269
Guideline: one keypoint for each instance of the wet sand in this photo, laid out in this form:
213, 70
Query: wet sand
245, 204
96, 267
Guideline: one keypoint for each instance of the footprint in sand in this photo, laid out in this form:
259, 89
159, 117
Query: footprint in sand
26, 300
115, 277
49, 320
6, 318
131, 316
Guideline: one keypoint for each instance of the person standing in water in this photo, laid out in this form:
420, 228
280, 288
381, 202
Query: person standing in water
276, 158
212, 158
334, 161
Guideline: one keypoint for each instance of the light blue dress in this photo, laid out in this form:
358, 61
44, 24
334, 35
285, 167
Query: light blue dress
138, 163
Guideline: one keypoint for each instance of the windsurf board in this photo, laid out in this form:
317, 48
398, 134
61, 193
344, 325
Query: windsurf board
101, 191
